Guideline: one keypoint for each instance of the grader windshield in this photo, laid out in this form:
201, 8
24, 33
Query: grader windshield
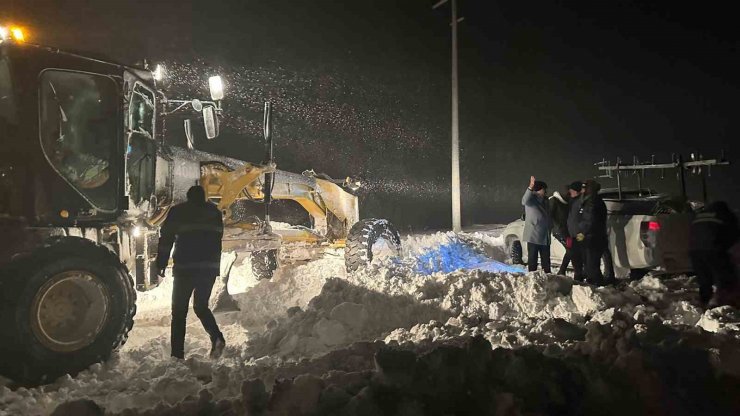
78, 131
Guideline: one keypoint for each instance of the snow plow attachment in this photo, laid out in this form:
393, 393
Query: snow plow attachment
333, 210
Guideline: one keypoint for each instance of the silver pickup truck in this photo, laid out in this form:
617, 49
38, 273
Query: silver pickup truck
647, 232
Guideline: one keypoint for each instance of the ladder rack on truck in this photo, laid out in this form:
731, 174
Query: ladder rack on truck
695, 165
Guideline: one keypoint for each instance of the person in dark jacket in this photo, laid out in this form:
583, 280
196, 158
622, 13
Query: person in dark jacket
537, 225
713, 232
592, 232
577, 254
559, 211
195, 228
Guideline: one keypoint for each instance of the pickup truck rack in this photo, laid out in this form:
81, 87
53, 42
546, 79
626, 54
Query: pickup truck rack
696, 165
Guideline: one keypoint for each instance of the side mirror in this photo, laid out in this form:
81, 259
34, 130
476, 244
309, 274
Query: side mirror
210, 121
189, 134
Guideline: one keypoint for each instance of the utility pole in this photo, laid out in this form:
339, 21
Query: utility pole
456, 221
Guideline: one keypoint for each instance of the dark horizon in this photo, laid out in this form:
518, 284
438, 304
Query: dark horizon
363, 90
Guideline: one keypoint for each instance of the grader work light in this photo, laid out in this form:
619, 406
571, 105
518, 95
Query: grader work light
17, 34
13, 33
159, 72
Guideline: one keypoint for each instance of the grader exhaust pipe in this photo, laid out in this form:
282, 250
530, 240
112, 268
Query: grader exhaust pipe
270, 176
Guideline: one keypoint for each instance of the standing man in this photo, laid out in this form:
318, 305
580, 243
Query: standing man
713, 232
577, 255
537, 224
592, 231
195, 228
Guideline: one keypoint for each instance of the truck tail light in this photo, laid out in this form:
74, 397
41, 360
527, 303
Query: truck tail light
649, 232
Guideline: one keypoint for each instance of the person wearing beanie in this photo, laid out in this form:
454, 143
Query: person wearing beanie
537, 225
591, 231
713, 233
575, 191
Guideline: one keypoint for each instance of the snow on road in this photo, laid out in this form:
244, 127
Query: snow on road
342, 340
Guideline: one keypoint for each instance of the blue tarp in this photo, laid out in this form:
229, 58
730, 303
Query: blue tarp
457, 255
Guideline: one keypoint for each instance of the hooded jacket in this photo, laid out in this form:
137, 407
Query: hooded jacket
559, 214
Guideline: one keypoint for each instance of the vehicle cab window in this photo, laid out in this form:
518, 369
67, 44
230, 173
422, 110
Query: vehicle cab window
141, 153
78, 131
142, 111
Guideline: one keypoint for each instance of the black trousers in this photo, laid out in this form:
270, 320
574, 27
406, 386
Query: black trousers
608, 265
199, 284
566, 258
578, 258
713, 267
533, 250
593, 252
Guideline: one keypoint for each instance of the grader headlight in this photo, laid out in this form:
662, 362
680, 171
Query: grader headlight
158, 72
217, 88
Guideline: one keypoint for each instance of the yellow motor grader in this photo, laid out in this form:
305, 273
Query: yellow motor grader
86, 177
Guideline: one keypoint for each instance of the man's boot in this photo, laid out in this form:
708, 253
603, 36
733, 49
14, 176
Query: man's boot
217, 347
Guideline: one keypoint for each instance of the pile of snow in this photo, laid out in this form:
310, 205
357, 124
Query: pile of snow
342, 313
417, 336
616, 371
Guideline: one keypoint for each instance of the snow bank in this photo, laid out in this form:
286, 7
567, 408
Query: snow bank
342, 313
420, 336
615, 372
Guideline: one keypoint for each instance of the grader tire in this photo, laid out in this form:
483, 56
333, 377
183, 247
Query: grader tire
73, 304
264, 263
358, 252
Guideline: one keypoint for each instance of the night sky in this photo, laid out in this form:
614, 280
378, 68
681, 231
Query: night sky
362, 88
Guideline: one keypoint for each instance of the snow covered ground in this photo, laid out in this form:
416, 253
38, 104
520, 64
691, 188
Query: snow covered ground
449, 328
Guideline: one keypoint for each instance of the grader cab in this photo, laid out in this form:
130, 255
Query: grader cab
86, 177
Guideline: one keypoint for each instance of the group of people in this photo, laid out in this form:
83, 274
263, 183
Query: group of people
576, 219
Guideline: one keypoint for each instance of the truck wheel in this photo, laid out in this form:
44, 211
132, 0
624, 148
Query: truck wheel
368, 239
264, 263
516, 252
74, 305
